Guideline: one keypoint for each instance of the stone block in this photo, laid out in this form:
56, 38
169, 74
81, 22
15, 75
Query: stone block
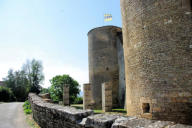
101, 121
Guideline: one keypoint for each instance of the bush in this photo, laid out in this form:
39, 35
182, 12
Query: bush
6, 95
44, 90
78, 100
27, 107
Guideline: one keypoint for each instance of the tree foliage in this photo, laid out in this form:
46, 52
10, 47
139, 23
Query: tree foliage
26, 80
6, 95
56, 89
34, 73
18, 83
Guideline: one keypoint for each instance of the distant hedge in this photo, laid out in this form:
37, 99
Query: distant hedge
6, 95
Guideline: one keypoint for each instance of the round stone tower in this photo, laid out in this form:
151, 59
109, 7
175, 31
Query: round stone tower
157, 37
103, 60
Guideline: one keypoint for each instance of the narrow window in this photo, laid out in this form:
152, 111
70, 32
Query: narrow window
146, 108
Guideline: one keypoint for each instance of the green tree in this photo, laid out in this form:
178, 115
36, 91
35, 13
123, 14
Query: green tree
18, 83
44, 90
6, 95
26, 80
56, 89
10, 79
34, 73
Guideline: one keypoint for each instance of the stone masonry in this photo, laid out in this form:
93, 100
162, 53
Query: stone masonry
87, 97
66, 95
157, 41
105, 46
107, 96
49, 115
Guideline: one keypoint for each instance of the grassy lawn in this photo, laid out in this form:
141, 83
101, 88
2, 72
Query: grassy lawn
114, 111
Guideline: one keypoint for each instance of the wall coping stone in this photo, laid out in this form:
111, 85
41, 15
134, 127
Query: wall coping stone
101, 120
134, 122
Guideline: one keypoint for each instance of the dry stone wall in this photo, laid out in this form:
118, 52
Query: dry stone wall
49, 115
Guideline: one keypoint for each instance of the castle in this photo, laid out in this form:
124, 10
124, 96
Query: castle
154, 57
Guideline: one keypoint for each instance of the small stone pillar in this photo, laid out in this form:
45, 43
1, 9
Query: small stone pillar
66, 95
107, 96
87, 97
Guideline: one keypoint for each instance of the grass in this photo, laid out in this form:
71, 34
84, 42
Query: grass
31, 122
77, 106
114, 111
28, 112
98, 111
119, 110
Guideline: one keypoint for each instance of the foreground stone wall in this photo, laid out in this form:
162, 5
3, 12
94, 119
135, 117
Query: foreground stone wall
157, 40
49, 115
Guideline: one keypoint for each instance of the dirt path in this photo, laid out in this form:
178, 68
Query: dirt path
12, 116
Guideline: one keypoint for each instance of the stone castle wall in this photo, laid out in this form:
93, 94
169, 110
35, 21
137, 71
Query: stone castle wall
121, 65
49, 115
157, 37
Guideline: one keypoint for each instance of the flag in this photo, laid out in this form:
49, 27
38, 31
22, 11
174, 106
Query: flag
107, 17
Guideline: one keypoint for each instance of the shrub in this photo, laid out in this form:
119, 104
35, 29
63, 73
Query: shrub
6, 95
44, 90
78, 100
27, 107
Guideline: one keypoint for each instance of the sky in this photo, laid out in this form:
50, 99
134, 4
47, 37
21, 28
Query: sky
53, 31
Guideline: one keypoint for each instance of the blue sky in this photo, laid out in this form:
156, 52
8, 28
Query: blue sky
53, 31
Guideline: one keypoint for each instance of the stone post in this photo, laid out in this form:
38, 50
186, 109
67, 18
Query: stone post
107, 96
66, 95
87, 97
